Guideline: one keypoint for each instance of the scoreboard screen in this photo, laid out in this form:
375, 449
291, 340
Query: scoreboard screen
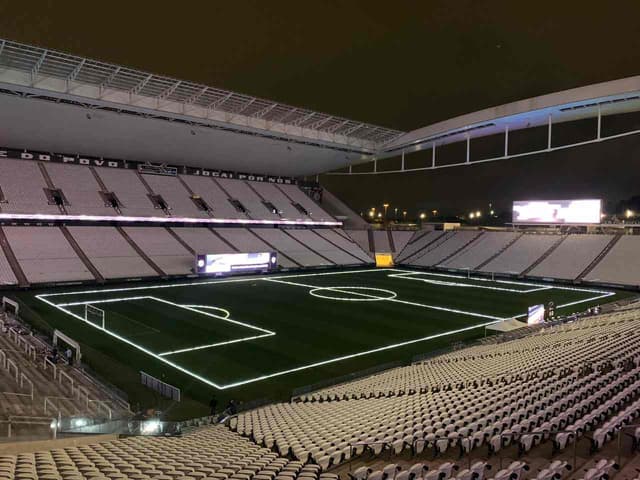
233, 263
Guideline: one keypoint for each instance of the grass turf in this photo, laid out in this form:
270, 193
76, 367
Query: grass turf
289, 328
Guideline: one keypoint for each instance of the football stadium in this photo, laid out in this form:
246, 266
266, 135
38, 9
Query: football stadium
256, 253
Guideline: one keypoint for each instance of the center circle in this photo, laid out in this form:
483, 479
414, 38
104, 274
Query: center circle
353, 294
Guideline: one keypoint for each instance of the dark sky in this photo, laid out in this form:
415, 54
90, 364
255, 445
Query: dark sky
402, 64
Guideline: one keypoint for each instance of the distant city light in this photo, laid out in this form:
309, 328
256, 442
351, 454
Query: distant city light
371, 213
379, 215
423, 216
472, 215
478, 214
628, 213
491, 212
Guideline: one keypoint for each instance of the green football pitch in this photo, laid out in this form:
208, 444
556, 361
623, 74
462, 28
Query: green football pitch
263, 336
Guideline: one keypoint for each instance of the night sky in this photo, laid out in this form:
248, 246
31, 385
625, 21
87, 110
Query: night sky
400, 64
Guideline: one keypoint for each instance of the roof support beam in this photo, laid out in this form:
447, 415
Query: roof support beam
264, 111
107, 81
338, 126
245, 106
320, 123
2, 44
300, 121
169, 90
196, 96
137, 88
37, 66
216, 103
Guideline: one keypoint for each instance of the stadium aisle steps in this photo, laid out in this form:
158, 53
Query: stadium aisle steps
12, 259
497, 254
338, 247
600, 257
392, 244
76, 248
273, 248
309, 247
544, 255
180, 240
469, 244
431, 236
140, 252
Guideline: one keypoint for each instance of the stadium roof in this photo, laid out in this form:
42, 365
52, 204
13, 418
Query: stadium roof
43, 74
54, 101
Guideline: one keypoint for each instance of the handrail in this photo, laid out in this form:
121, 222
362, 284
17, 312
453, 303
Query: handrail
11, 363
53, 366
3, 358
29, 420
103, 404
24, 378
62, 373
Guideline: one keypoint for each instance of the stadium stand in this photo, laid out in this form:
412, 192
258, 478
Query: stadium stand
282, 241
241, 191
45, 255
491, 396
486, 247
521, 254
7, 277
203, 240
443, 250
23, 186
163, 249
400, 239
245, 240
207, 189
340, 239
361, 238
130, 192
37, 386
271, 193
80, 189
111, 254
621, 264
571, 257
324, 248
381, 241
175, 194
421, 240
297, 196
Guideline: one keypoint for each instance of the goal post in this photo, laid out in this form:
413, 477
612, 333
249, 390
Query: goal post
94, 315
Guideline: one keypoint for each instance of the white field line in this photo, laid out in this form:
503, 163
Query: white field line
412, 276
275, 278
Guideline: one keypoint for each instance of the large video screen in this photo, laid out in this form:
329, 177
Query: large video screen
230, 263
557, 211
536, 314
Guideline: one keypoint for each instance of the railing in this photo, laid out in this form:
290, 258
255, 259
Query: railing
53, 366
102, 405
62, 374
29, 420
23, 379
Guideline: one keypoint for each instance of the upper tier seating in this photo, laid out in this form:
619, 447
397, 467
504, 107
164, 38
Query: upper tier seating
478, 252
521, 254
621, 265
131, 192
80, 188
45, 255
271, 193
241, 191
177, 197
573, 255
22, 185
209, 190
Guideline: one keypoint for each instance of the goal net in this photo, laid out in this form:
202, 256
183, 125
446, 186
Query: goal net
94, 315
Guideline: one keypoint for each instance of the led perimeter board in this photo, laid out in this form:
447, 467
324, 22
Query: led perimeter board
557, 211
234, 263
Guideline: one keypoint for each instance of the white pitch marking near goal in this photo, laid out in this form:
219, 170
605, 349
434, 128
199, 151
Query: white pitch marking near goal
94, 312
61, 307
